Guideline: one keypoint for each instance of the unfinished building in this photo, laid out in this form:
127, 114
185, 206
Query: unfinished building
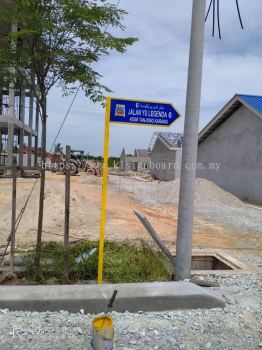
166, 155
19, 123
162, 159
140, 161
233, 141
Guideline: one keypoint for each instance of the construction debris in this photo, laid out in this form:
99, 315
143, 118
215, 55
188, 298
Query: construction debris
6, 276
4, 251
32, 174
85, 255
204, 283
19, 259
155, 236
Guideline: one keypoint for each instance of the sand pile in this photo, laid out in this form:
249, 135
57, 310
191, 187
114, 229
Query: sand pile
207, 194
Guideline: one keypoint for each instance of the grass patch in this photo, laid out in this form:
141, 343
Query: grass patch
123, 262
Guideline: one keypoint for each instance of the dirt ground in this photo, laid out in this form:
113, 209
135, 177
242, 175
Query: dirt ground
121, 224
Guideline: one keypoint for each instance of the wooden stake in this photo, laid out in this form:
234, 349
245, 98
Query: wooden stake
12, 252
67, 214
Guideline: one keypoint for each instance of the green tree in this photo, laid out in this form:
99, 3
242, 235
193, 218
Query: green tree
54, 42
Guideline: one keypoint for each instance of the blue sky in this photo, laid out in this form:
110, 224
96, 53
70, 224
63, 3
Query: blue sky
155, 68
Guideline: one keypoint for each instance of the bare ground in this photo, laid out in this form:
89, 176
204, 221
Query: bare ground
158, 201
221, 221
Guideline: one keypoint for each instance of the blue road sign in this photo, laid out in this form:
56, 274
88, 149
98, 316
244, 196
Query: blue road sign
140, 112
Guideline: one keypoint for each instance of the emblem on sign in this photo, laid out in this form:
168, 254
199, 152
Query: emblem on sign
120, 111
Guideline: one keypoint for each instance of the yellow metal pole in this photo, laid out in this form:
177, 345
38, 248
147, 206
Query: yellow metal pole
104, 191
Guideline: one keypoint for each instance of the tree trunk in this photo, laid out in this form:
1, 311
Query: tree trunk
12, 252
42, 191
67, 214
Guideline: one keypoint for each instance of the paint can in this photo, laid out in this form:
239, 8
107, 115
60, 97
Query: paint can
102, 333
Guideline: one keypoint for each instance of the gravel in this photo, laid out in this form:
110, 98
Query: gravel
250, 257
238, 326
218, 206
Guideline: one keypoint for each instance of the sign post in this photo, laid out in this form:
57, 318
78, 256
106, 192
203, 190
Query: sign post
132, 112
104, 192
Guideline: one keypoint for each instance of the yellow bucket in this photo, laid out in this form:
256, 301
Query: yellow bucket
102, 333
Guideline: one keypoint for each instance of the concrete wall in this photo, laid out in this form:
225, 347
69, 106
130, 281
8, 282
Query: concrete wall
126, 162
178, 163
237, 146
134, 163
143, 164
165, 163
143, 161
122, 161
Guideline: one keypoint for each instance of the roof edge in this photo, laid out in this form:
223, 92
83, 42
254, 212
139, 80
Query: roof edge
203, 134
165, 142
246, 104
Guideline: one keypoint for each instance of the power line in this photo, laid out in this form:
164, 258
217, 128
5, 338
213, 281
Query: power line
216, 13
239, 15
214, 16
210, 4
218, 20
67, 113
60, 234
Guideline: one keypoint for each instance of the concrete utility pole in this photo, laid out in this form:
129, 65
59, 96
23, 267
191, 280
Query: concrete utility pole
189, 154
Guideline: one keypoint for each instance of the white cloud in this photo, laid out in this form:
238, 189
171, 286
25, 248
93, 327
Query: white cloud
156, 68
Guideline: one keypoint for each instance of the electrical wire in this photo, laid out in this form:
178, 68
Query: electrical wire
67, 113
60, 235
239, 15
214, 16
209, 8
218, 20
216, 13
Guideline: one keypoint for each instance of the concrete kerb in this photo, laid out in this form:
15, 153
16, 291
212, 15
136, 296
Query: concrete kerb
132, 297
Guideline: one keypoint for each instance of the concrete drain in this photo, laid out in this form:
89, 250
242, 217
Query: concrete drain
204, 262
209, 262
213, 262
